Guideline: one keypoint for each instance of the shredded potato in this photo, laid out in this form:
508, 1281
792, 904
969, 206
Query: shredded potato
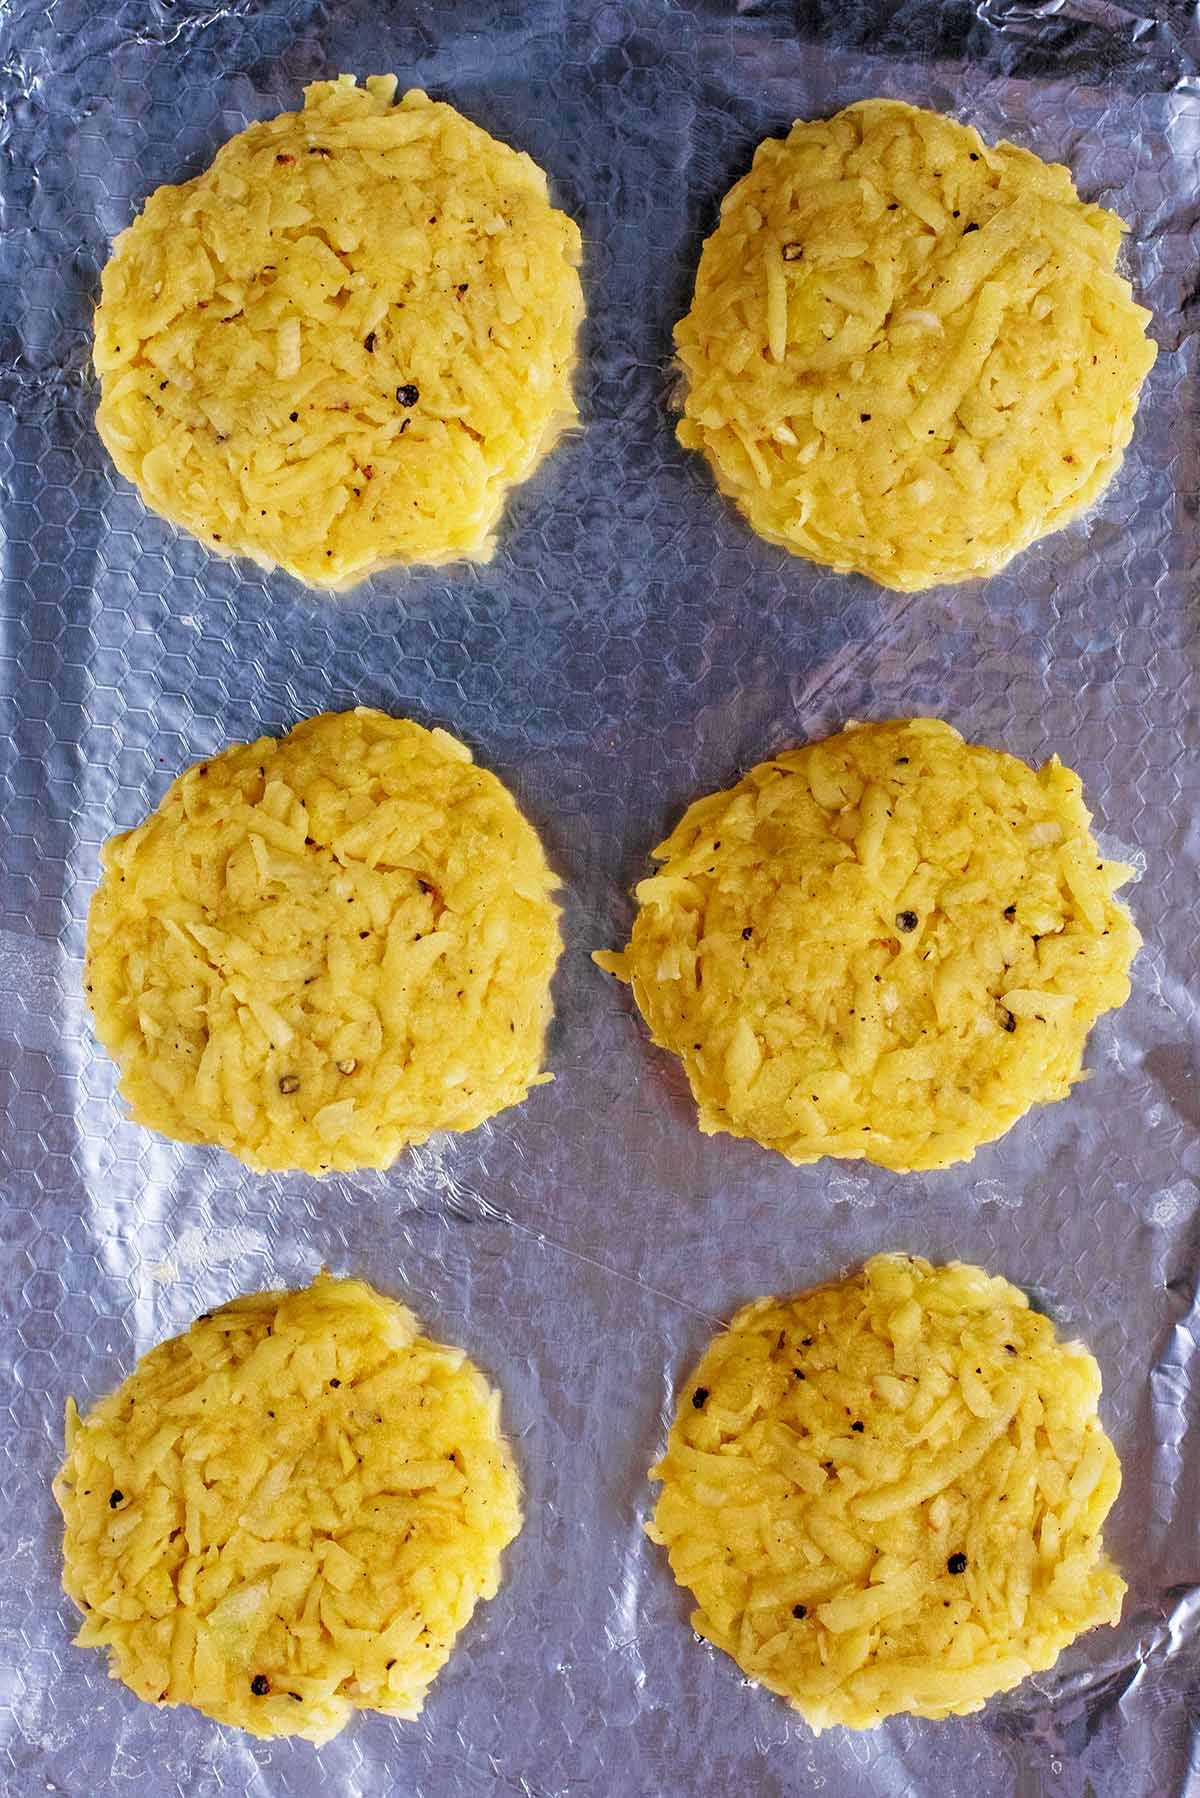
323, 948
887, 1494
341, 345
288, 1513
887, 945
908, 354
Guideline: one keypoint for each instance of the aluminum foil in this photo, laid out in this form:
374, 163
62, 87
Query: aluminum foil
631, 646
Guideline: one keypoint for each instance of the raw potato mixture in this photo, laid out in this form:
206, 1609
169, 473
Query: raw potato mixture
288, 1513
341, 345
908, 354
887, 945
322, 948
887, 1494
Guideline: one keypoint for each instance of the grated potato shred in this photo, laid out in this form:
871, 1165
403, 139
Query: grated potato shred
908, 353
288, 1513
322, 948
341, 345
887, 1494
885, 946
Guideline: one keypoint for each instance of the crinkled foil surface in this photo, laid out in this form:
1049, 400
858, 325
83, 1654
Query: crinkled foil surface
630, 647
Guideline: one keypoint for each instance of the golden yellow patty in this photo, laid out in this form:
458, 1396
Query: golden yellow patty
886, 945
908, 354
887, 1494
323, 948
342, 344
288, 1513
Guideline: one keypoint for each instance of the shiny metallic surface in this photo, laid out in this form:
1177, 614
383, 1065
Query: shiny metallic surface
630, 647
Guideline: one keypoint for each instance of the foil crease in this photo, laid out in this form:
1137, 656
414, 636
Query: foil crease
630, 647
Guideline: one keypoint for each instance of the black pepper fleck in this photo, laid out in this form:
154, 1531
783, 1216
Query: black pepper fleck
260, 1685
114, 1498
700, 1397
957, 1563
906, 920
799, 1610
407, 394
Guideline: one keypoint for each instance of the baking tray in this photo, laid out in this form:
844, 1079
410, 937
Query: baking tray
631, 646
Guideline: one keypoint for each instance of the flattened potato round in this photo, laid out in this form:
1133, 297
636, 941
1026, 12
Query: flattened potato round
288, 1513
887, 945
324, 947
908, 353
340, 346
887, 1494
